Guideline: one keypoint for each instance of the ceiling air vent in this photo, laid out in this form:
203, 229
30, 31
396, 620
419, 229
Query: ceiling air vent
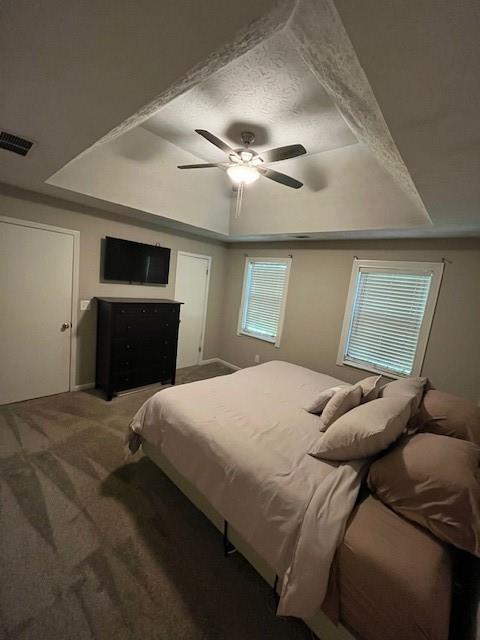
13, 143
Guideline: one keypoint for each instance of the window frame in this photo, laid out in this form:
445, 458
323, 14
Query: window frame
394, 266
241, 316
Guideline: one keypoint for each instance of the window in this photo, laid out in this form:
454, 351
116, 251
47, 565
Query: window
388, 316
263, 298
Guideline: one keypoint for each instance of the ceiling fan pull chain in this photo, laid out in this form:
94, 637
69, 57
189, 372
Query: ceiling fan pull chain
238, 203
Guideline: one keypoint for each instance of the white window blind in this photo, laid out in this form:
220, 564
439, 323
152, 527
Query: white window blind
388, 319
263, 299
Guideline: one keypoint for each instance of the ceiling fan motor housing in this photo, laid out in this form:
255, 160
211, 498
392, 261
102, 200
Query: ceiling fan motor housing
247, 137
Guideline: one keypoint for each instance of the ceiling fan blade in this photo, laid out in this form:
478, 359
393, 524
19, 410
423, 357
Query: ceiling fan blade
283, 153
288, 181
216, 141
203, 165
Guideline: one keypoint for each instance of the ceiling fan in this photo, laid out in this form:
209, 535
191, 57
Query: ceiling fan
245, 165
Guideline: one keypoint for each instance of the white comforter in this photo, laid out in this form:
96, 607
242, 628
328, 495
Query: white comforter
242, 440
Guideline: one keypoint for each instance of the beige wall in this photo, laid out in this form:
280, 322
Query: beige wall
95, 225
316, 298
317, 294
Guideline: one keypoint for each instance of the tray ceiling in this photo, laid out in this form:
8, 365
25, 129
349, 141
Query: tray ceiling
302, 81
268, 90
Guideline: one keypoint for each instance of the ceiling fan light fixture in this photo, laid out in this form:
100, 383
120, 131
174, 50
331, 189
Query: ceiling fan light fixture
246, 155
242, 173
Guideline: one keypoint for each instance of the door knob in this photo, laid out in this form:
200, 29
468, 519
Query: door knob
65, 326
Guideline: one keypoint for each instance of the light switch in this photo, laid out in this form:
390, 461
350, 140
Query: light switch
84, 305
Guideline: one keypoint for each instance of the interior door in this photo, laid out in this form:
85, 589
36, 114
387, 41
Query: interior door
191, 289
36, 269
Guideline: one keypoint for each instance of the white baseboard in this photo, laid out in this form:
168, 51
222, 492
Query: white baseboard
83, 387
219, 360
91, 385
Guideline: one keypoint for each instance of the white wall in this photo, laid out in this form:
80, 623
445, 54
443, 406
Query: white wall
344, 189
139, 170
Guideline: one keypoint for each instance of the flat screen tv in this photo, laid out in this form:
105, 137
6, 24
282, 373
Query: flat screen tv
128, 261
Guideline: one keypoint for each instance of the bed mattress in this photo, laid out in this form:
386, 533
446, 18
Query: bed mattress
393, 579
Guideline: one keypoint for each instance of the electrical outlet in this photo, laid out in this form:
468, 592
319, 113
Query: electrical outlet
257, 359
84, 305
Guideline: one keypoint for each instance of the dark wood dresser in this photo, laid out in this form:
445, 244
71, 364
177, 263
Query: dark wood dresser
136, 343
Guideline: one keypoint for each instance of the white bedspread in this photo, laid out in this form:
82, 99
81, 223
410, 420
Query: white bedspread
242, 440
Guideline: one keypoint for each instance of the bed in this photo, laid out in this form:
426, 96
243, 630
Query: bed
237, 447
394, 579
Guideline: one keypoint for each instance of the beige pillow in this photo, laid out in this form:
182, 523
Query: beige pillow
406, 387
318, 404
370, 387
342, 401
365, 430
434, 481
449, 415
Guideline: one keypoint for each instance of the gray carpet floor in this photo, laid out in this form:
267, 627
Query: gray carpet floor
94, 547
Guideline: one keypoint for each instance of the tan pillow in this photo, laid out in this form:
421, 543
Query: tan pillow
342, 401
434, 481
365, 430
318, 404
370, 387
410, 387
449, 415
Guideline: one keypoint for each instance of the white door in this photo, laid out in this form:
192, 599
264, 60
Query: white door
36, 269
191, 288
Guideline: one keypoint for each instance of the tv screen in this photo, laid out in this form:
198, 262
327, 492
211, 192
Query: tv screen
135, 262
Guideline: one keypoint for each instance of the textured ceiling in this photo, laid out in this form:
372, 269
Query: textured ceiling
411, 103
75, 70
269, 91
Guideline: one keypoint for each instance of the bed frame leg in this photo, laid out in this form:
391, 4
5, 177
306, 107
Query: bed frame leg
276, 597
228, 547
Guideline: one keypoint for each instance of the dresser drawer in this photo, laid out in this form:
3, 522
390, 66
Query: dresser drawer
138, 359
146, 309
145, 345
126, 380
140, 377
152, 375
144, 325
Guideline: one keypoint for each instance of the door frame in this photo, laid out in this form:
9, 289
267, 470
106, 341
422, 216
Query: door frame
75, 282
207, 289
